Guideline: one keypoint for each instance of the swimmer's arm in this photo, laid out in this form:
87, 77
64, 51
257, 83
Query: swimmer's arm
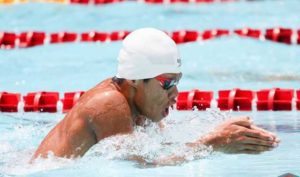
92, 119
240, 135
67, 142
237, 135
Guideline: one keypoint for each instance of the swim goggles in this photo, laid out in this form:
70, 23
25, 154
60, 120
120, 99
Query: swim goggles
167, 83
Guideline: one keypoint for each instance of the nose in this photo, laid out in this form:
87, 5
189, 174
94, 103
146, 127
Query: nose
173, 94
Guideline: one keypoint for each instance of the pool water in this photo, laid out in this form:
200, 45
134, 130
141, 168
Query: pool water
224, 63
21, 134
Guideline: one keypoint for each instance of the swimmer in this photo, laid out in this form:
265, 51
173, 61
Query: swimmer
145, 87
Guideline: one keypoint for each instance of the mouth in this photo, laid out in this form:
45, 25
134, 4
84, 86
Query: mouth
166, 110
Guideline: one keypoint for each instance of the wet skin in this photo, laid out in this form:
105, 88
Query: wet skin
109, 109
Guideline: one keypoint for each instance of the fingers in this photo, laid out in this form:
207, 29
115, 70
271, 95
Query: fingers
276, 139
259, 142
258, 134
239, 135
246, 151
248, 123
257, 148
242, 121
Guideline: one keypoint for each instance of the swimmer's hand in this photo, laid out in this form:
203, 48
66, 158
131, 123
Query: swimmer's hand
234, 136
239, 135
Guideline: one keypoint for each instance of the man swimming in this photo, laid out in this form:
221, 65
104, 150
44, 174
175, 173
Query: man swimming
145, 87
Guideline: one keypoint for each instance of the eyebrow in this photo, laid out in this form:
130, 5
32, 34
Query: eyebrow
171, 77
179, 76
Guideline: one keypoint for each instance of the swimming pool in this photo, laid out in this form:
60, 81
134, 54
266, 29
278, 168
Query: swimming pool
223, 63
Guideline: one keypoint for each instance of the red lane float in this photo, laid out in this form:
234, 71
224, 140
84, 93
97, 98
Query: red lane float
236, 99
79, 2
70, 99
41, 101
298, 36
97, 2
184, 36
210, 34
248, 32
30, 39
186, 1
275, 99
280, 35
189, 100
298, 100
9, 40
63, 37
9, 101
94, 37
118, 35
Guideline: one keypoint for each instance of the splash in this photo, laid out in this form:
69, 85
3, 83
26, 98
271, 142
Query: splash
20, 136
152, 142
149, 143
20, 165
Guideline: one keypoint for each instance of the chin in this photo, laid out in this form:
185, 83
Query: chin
159, 118
155, 118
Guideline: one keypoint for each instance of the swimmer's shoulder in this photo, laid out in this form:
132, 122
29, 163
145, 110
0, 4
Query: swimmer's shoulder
104, 91
108, 111
107, 83
103, 97
98, 99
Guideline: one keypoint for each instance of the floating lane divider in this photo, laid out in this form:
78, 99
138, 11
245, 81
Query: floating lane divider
189, 100
275, 99
99, 2
11, 40
298, 100
235, 99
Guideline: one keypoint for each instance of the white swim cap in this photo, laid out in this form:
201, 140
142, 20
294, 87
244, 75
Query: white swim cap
147, 53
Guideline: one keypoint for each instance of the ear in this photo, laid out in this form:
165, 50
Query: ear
133, 83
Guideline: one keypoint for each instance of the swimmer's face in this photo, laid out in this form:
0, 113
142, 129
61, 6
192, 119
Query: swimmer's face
154, 98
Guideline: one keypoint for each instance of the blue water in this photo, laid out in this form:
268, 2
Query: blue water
223, 63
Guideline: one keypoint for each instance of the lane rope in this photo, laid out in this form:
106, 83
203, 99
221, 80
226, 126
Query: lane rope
103, 2
274, 99
11, 40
